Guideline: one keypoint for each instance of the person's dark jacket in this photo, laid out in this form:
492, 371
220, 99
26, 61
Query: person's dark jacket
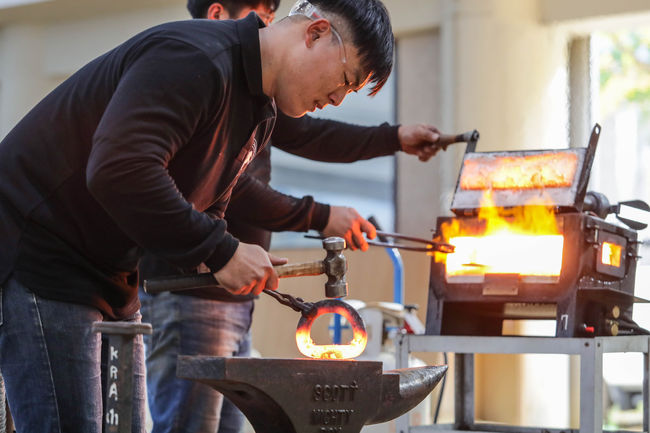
126, 155
256, 209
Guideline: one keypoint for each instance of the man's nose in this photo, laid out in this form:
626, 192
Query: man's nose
338, 96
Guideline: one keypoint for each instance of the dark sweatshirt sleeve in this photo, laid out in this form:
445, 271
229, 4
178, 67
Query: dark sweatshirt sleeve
258, 204
162, 98
333, 141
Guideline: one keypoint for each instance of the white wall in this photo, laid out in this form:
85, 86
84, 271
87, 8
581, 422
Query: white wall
21, 78
36, 56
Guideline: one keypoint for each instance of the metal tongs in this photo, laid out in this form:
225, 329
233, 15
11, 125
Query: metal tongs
296, 304
429, 245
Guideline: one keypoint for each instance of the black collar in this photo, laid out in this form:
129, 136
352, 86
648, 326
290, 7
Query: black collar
248, 30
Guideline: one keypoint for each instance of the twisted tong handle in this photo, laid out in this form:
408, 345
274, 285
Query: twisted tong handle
205, 280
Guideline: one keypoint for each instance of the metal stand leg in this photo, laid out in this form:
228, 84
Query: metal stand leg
464, 390
119, 378
591, 388
402, 361
590, 351
646, 389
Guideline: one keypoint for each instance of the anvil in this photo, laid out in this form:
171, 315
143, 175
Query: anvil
312, 395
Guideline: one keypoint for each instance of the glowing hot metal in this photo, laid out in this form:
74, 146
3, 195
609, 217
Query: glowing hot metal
331, 351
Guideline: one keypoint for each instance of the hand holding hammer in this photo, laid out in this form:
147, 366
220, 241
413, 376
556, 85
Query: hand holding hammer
425, 141
334, 266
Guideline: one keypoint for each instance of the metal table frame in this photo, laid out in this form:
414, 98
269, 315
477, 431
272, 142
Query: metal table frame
590, 351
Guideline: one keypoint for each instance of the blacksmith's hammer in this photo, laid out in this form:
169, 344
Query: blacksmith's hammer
334, 266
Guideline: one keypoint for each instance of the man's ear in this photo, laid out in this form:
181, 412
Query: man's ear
316, 30
216, 11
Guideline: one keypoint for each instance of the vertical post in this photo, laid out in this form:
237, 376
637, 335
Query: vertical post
402, 361
119, 377
396, 260
591, 387
579, 91
403, 349
646, 387
464, 390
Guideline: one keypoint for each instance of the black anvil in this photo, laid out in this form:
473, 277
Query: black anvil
312, 395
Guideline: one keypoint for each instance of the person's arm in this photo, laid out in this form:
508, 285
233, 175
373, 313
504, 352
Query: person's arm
161, 100
333, 141
258, 204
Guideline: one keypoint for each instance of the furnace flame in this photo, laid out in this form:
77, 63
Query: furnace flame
524, 240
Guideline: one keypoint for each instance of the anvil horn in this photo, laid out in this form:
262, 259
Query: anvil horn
414, 384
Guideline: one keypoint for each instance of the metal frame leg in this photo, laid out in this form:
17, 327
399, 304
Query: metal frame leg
591, 388
590, 352
403, 422
646, 388
463, 390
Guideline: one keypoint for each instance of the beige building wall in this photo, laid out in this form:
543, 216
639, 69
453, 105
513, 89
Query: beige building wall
499, 66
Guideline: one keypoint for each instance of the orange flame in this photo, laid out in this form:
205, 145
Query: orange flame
354, 348
611, 254
547, 170
523, 240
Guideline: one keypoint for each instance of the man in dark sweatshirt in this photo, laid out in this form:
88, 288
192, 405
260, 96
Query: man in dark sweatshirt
125, 156
214, 322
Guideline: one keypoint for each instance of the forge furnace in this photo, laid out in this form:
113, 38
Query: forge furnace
588, 284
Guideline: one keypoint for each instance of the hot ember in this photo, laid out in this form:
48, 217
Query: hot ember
524, 240
546, 170
331, 351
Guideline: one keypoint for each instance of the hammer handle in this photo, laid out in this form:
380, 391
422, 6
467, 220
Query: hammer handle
446, 140
300, 269
205, 280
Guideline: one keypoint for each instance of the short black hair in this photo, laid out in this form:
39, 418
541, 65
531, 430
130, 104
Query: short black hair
372, 34
199, 8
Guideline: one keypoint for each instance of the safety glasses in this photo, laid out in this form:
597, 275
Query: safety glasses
303, 7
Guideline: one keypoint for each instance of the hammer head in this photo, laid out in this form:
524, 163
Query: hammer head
335, 268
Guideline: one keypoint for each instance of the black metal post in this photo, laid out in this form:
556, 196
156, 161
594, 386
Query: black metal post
119, 376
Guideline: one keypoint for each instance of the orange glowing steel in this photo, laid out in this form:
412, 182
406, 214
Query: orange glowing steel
523, 240
331, 351
548, 170
611, 254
